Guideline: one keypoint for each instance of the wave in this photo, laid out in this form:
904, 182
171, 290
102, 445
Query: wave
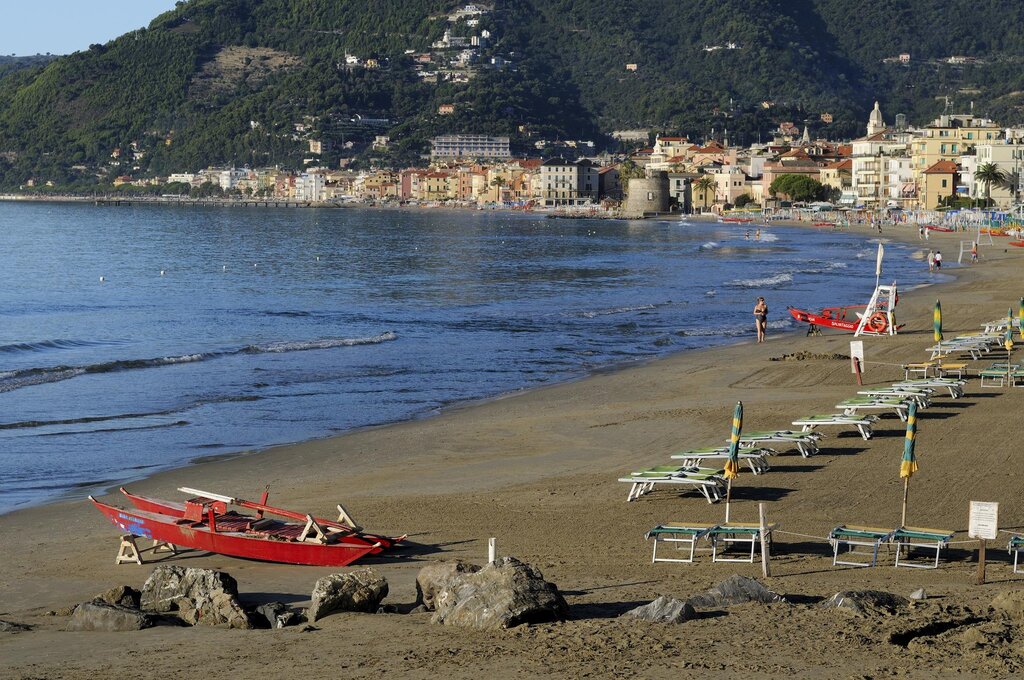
766, 282
710, 245
615, 310
47, 345
27, 377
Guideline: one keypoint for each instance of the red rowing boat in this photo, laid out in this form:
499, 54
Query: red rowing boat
844, 318
204, 523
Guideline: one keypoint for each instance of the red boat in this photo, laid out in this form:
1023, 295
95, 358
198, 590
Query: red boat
844, 318
740, 220
823, 224
205, 523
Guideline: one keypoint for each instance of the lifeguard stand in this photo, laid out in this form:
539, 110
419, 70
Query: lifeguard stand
878, 316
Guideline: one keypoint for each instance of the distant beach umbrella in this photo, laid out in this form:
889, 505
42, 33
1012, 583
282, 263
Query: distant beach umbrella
732, 465
1020, 318
908, 465
937, 322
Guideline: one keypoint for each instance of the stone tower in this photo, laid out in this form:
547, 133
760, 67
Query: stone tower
875, 122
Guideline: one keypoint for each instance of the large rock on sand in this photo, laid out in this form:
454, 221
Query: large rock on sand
433, 577
197, 596
112, 618
735, 590
866, 602
664, 610
503, 594
356, 591
123, 596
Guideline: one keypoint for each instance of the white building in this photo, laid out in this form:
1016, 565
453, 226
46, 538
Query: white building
566, 183
310, 187
470, 146
1008, 156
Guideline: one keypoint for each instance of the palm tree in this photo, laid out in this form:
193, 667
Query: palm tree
704, 185
988, 174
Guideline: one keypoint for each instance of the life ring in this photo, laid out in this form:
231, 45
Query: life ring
877, 322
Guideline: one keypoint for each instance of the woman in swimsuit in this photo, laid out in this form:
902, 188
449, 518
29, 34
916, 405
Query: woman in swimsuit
761, 318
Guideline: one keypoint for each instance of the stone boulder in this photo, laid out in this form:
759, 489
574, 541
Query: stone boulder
866, 602
276, 615
123, 596
1009, 605
664, 610
503, 594
735, 590
433, 577
112, 618
197, 596
356, 591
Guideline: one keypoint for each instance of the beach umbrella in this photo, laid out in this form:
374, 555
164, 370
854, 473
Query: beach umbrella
732, 465
1008, 344
1020, 318
908, 465
937, 322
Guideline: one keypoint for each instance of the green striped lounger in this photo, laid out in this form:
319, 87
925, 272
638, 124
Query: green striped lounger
851, 537
861, 422
682, 534
804, 442
736, 532
708, 481
1015, 546
918, 537
754, 457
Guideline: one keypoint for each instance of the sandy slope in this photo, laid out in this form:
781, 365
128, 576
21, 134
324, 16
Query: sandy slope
537, 470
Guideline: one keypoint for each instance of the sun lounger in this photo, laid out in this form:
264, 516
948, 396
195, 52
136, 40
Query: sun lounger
1000, 375
917, 395
943, 370
1014, 547
851, 406
851, 537
683, 534
707, 481
804, 442
756, 458
921, 368
724, 535
861, 423
955, 387
918, 537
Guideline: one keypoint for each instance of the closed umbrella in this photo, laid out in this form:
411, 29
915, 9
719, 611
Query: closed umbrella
732, 465
1020, 318
937, 322
908, 465
1008, 344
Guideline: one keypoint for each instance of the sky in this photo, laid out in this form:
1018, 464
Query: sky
66, 26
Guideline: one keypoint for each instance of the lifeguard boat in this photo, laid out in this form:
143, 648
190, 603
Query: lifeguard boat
874, 318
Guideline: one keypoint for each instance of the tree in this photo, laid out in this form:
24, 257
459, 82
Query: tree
627, 171
797, 187
743, 200
989, 174
706, 184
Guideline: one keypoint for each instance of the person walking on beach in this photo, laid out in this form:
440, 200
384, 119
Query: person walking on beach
931, 261
761, 318
938, 260
920, 233
974, 252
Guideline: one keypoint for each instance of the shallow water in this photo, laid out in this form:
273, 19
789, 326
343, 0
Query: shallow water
221, 330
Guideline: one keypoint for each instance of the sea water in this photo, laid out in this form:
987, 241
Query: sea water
134, 339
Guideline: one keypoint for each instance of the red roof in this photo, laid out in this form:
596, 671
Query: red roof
841, 165
673, 139
942, 168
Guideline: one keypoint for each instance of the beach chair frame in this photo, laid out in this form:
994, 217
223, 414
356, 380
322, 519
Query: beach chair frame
853, 537
729, 534
682, 535
1015, 547
862, 423
912, 537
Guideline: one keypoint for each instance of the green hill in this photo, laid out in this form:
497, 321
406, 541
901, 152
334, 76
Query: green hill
250, 82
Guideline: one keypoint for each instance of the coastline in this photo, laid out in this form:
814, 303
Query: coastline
536, 468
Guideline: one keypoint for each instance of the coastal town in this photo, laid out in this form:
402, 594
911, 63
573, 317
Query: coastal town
956, 160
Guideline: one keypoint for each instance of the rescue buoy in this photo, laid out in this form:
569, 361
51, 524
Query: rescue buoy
877, 322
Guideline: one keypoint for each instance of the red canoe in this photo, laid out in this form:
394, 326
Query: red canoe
843, 318
205, 524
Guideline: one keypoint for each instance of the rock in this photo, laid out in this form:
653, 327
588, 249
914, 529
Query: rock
735, 590
198, 596
503, 594
124, 596
433, 577
63, 611
866, 602
12, 627
356, 591
1010, 605
664, 610
919, 594
112, 618
276, 615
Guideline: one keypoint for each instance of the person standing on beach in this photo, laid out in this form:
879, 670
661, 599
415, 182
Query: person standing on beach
974, 252
761, 318
931, 261
938, 260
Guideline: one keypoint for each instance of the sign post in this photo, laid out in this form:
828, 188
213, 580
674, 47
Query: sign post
857, 359
983, 524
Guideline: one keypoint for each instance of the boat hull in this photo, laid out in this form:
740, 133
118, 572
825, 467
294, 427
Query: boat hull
878, 323
198, 536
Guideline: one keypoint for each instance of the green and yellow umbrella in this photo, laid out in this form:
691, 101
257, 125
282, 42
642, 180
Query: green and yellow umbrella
732, 464
908, 465
937, 322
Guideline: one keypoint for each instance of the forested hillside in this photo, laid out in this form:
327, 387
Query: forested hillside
251, 82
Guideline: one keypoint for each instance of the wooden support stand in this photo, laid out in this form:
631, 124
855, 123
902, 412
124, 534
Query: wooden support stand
764, 540
129, 550
981, 561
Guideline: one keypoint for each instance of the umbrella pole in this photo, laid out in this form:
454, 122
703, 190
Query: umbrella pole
728, 498
906, 492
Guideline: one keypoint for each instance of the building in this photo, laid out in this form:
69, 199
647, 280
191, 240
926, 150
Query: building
1009, 158
568, 183
446, 109
875, 122
939, 183
469, 146
948, 137
310, 187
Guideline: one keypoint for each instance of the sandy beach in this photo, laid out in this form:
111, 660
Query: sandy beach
538, 469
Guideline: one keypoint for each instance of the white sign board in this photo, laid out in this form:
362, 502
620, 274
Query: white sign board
856, 354
984, 520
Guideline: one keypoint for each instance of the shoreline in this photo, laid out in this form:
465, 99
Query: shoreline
537, 469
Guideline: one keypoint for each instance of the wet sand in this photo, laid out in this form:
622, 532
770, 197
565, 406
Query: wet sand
538, 471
